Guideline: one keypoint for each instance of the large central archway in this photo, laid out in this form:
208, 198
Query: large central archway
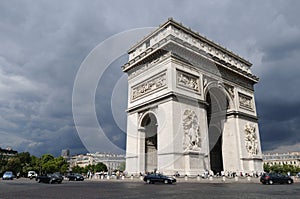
149, 123
216, 116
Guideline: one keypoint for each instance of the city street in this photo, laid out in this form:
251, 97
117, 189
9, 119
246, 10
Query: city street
25, 188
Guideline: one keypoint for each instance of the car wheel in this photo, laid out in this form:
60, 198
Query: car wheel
50, 182
271, 182
166, 181
148, 181
289, 182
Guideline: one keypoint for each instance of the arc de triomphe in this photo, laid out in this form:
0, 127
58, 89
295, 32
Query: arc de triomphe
191, 106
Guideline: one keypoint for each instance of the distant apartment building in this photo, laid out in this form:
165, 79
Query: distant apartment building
112, 161
8, 152
290, 158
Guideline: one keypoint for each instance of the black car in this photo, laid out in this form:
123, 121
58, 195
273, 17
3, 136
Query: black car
50, 178
271, 178
152, 178
75, 177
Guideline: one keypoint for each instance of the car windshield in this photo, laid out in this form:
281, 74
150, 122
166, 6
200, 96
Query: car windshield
156, 175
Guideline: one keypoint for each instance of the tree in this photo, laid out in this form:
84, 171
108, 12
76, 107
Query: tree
267, 168
122, 166
62, 165
49, 164
24, 157
35, 165
100, 167
282, 168
14, 165
77, 169
91, 167
25, 161
46, 158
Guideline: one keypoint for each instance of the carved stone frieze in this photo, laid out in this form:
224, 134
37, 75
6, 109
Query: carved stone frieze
191, 139
245, 101
251, 140
148, 86
188, 81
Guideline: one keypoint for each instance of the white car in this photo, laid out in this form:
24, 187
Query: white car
31, 174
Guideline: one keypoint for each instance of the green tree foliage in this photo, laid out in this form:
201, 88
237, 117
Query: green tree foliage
14, 164
100, 167
93, 168
77, 169
49, 164
3, 163
282, 168
122, 166
23, 162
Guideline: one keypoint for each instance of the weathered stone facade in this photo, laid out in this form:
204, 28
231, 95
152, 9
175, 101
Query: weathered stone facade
190, 106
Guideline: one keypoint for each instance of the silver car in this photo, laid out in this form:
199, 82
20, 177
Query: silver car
8, 175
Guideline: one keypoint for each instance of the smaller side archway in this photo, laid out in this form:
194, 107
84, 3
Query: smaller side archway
149, 125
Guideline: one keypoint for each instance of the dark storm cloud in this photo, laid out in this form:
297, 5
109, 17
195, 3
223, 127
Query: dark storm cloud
43, 44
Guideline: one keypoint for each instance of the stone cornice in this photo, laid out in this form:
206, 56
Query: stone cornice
187, 30
166, 97
172, 31
240, 114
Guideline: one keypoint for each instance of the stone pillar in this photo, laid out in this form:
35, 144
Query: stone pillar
141, 150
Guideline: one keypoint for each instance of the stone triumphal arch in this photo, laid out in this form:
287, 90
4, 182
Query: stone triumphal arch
191, 106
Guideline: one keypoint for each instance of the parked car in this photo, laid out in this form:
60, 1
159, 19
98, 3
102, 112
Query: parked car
50, 178
75, 177
271, 178
152, 178
8, 175
32, 174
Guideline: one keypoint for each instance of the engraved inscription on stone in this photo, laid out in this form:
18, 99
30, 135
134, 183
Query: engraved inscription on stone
245, 101
188, 81
148, 86
140, 69
251, 139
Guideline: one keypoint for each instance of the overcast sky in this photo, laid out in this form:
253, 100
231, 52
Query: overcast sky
43, 44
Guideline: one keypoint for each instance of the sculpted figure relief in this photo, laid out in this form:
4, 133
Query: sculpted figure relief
251, 139
192, 140
188, 81
245, 101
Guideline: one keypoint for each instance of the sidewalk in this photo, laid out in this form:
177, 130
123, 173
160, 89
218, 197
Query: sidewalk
190, 179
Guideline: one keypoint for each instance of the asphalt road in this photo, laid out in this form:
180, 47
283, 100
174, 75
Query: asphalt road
25, 188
